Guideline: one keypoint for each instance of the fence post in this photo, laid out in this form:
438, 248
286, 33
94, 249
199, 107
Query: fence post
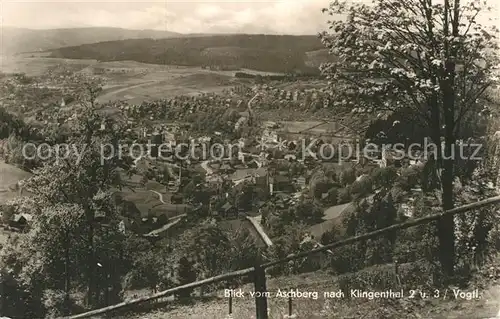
396, 272
290, 310
260, 292
2, 294
230, 304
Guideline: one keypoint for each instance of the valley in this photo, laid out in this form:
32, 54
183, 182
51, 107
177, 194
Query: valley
147, 173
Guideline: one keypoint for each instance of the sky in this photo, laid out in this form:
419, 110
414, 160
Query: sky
273, 16
195, 16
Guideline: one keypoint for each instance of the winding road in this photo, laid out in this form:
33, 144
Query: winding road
207, 168
160, 195
256, 223
166, 227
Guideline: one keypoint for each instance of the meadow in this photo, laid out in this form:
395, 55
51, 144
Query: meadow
132, 81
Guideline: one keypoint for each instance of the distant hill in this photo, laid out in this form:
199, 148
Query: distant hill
270, 53
18, 40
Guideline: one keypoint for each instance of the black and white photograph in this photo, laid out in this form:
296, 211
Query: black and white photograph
266, 159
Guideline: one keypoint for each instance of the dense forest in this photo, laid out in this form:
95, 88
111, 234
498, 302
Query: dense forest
271, 53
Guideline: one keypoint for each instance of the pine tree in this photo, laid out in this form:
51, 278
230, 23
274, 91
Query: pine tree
185, 275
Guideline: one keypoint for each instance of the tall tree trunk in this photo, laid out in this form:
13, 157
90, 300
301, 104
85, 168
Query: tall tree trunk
91, 262
446, 225
67, 276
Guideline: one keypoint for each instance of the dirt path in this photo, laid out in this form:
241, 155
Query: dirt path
164, 228
255, 221
160, 195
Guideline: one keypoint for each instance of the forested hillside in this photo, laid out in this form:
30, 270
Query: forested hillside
271, 53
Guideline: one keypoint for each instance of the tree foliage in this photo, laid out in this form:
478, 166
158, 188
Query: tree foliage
433, 57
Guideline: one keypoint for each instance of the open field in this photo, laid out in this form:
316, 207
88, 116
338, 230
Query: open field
333, 218
39, 65
309, 126
10, 175
147, 201
332, 130
133, 81
6, 196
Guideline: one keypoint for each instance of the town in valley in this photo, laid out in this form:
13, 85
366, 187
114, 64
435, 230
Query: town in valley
252, 159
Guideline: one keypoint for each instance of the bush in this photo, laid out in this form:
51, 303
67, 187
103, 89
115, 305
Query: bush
384, 177
332, 198
348, 258
344, 196
185, 274
290, 242
55, 302
409, 178
330, 236
308, 213
347, 177
406, 276
20, 299
361, 188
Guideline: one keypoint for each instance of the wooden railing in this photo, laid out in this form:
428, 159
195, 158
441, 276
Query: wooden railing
259, 271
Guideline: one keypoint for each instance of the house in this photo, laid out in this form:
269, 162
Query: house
272, 125
226, 168
252, 164
128, 224
361, 177
269, 136
228, 210
150, 219
142, 164
259, 205
406, 210
20, 220
204, 139
392, 158
170, 137
99, 216
260, 176
281, 183
251, 149
319, 142
292, 145
280, 204
176, 198
157, 140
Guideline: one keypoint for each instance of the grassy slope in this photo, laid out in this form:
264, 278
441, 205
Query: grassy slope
10, 175
307, 308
